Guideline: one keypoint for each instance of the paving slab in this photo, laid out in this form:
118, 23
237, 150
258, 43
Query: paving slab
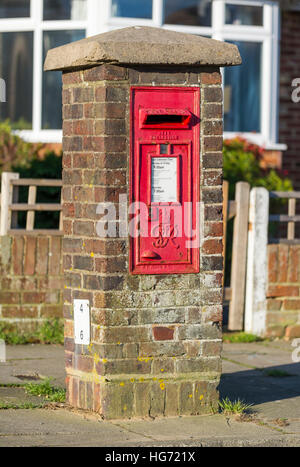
17, 397
276, 405
63, 428
245, 376
26, 363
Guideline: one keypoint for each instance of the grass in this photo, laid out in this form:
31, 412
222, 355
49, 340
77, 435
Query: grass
240, 337
50, 332
237, 407
46, 390
24, 405
277, 373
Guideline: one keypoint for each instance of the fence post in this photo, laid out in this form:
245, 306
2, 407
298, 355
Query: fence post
255, 309
7, 198
239, 257
32, 191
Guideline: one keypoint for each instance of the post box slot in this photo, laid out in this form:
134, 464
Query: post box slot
165, 118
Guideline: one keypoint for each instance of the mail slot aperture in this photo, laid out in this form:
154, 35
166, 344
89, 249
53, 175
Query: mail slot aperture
165, 118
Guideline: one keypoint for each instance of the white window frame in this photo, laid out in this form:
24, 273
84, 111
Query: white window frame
99, 20
37, 25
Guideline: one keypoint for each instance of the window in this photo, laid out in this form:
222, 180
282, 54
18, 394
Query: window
29, 28
52, 89
132, 8
14, 8
242, 90
188, 12
64, 10
244, 14
16, 67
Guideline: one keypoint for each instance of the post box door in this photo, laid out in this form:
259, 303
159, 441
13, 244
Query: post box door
164, 180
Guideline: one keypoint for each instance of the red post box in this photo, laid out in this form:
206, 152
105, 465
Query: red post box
165, 180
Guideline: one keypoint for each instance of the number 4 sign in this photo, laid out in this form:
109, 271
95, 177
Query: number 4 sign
82, 322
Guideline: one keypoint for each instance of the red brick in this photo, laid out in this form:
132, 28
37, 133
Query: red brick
20, 312
74, 143
211, 78
68, 128
291, 305
214, 229
67, 161
272, 263
69, 329
292, 332
213, 143
94, 143
69, 210
83, 127
283, 255
213, 94
212, 247
83, 161
18, 255
111, 265
84, 363
30, 256
31, 298
163, 333
72, 77
84, 228
67, 227
52, 311
105, 72
283, 291
9, 298
66, 96
293, 273
213, 111
72, 112
213, 127
81, 95
275, 331
55, 256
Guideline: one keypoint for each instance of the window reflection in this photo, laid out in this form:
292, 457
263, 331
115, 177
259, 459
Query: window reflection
243, 90
14, 8
188, 12
65, 9
132, 8
52, 87
16, 68
244, 15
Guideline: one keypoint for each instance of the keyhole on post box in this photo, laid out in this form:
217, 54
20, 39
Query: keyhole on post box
164, 149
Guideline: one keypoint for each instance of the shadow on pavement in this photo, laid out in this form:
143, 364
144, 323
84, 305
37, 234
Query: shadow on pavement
254, 386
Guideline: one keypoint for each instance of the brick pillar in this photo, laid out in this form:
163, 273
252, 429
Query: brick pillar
155, 339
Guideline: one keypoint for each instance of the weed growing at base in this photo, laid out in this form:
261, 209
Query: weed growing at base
241, 338
237, 407
50, 332
46, 390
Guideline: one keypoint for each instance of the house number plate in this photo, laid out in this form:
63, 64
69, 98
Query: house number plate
82, 322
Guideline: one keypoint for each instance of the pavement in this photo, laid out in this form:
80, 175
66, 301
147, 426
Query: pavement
246, 375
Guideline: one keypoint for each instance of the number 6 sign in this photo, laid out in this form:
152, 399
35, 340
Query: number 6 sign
82, 322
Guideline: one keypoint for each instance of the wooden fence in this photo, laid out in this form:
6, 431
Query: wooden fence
291, 218
239, 210
10, 205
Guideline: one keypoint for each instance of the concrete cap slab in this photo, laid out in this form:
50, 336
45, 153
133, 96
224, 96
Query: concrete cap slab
141, 45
